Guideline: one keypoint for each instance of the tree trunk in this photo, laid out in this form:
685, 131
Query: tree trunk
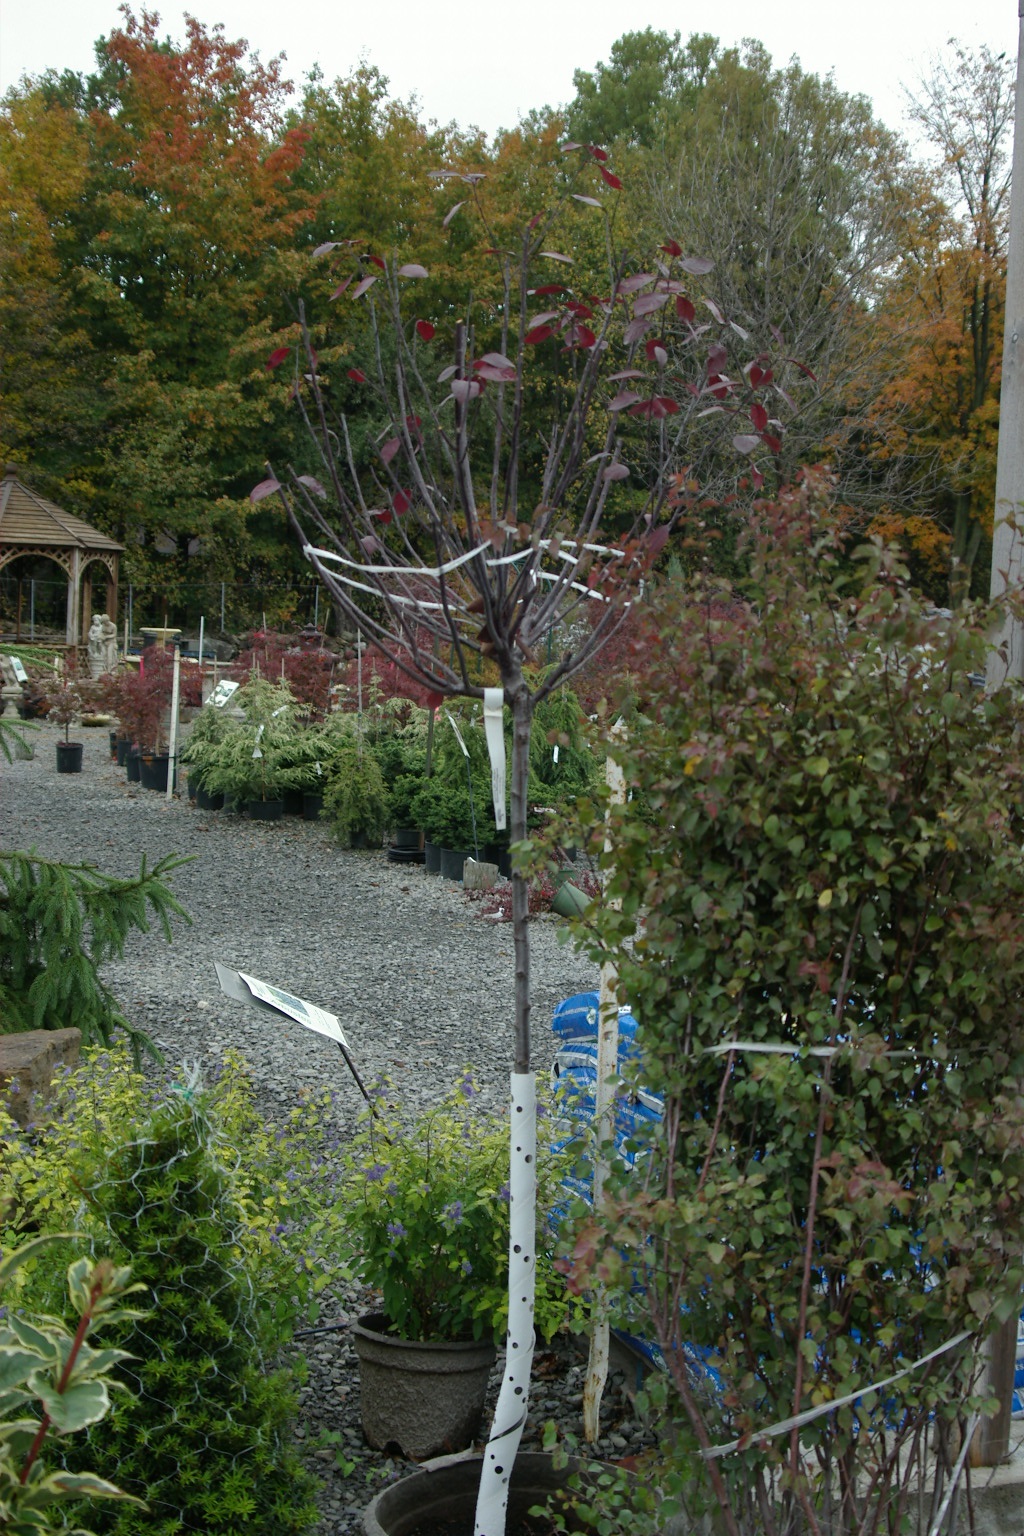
513, 1399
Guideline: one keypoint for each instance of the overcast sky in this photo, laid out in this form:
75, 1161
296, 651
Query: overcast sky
486, 63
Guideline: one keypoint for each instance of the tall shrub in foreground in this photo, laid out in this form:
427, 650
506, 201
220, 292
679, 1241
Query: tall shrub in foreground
206, 1439
828, 970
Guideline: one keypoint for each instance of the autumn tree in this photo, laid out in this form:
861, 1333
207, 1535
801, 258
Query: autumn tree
168, 221
472, 546
934, 428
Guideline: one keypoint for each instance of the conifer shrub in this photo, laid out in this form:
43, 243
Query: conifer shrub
206, 1439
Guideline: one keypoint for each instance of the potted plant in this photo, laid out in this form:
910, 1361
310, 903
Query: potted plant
355, 799
207, 731
426, 1207
244, 764
65, 703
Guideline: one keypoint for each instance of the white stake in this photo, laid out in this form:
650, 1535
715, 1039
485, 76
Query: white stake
172, 748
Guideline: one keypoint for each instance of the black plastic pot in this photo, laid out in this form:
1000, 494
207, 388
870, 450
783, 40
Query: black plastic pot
312, 805
207, 802
293, 801
452, 862
113, 746
444, 1497
124, 746
432, 858
153, 769
69, 756
406, 837
131, 765
265, 810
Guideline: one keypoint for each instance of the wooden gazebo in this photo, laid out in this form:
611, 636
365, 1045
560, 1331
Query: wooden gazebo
31, 525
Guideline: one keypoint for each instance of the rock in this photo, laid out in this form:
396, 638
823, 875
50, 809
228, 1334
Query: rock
28, 1061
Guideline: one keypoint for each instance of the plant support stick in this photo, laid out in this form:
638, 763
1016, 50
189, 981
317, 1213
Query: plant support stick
510, 1412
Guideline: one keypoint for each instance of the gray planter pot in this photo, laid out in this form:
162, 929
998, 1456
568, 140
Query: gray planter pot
432, 858
423, 1399
444, 1497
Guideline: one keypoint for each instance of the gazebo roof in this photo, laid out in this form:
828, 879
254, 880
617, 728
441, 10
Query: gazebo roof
28, 519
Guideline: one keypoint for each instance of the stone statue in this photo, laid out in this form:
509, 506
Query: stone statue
102, 645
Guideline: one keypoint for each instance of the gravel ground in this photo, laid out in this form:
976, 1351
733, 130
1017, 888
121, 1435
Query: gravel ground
421, 983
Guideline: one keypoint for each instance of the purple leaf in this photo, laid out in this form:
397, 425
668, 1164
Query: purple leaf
494, 375
697, 266
637, 281
710, 304
740, 332
778, 335
557, 256
314, 485
369, 544
616, 472
401, 502
538, 333
717, 359
446, 374
759, 416
465, 389
627, 373
451, 214
328, 245
413, 269
424, 330
745, 442
610, 178
357, 375
647, 303
685, 310
543, 318
497, 360
361, 287
622, 399
390, 448
568, 146
265, 488
277, 357
634, 330
659, 356
591, 202
341, 288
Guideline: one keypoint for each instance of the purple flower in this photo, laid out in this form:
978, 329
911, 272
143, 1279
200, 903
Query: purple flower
467, 1087
375, 1173
467, 1268
395, 1230
453, 1213
505, 1194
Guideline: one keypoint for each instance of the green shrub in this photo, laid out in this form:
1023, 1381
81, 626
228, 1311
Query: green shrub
206, 1440
822, 936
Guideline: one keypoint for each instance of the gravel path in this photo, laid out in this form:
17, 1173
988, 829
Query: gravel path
421, 983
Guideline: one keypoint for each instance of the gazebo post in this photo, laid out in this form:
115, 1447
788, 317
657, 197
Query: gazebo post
74, 608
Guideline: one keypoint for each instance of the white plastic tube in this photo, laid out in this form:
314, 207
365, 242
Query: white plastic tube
513, 1399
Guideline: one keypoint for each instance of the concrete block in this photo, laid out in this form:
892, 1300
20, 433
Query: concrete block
478, 877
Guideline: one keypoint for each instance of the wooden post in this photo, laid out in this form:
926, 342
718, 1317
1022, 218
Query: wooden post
604, 1126
991, 1443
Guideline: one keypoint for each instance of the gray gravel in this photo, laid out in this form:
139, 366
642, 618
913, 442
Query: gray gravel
421, 983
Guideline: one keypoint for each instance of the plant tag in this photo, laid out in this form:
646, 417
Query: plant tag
458, 734
494, 703
554, 754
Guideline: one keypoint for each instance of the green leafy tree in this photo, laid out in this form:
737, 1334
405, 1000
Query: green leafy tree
649, 81
820, 934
